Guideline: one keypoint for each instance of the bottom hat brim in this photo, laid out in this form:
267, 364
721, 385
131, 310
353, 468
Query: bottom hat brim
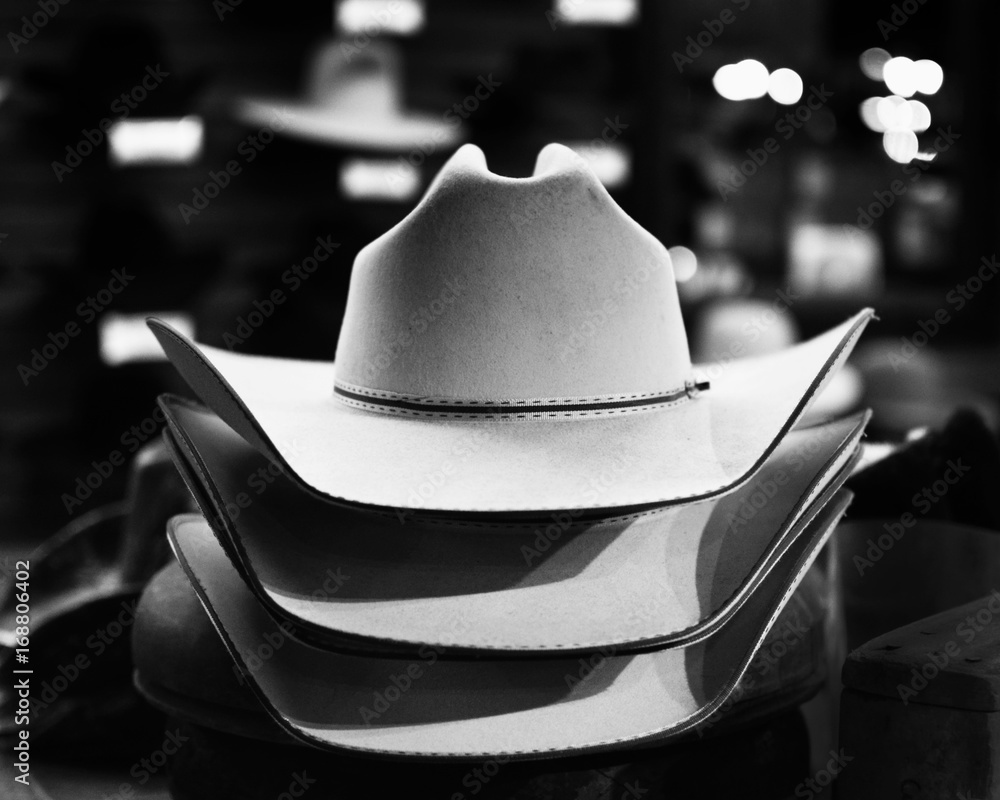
432, 708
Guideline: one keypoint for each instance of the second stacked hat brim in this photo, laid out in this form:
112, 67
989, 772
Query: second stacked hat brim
373, 580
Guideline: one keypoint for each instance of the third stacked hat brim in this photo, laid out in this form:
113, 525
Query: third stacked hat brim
473, 709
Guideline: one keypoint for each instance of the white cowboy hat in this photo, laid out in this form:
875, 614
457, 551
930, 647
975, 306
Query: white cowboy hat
514, 345
359, 580
430, 707
353, 98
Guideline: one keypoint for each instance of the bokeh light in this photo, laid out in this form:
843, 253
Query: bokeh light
611, 162
378, 17
784, 86
920, 116
900, 75
928, 75
685, 263
894, 113
598, 12
746, 80
869, 114
873, 61
378, 179
900, 146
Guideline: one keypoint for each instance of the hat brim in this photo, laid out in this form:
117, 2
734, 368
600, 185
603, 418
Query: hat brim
370, 580
690, 450
474, 709
344, 128
183, 668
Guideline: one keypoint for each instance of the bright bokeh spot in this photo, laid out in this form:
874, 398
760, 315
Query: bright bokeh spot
928, 75
868, 109
377, 17
746, 80
685, 263
900, 146
378, 179
598, 12
784, 86
894, 113
611, 162
900, 75
873, 61
920, 116
125, 338
133, 142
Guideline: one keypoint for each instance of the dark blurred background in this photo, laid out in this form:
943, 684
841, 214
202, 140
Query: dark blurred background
801, 158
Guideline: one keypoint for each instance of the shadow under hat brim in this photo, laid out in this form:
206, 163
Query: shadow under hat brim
692, 449
342, 128
368, 580
432, 708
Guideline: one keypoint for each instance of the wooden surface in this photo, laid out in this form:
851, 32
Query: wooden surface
920, 713
951, 660
916, 751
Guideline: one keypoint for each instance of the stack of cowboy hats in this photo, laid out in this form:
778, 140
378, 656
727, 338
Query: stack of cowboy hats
512, 518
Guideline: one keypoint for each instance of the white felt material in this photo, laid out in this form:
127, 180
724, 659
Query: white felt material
475, 709
507, 271
647, 578
352, 97
497, 290
696, 448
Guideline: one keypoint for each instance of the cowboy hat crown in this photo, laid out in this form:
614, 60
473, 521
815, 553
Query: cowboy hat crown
501, 289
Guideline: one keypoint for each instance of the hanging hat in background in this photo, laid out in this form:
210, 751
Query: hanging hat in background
535, 315
744, 327
353, 98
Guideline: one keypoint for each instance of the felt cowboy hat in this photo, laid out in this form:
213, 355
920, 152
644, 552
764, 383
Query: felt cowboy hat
353, 98
357, 579
514, 345
452, 709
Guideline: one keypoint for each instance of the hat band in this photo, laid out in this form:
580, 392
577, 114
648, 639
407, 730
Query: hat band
412, 405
